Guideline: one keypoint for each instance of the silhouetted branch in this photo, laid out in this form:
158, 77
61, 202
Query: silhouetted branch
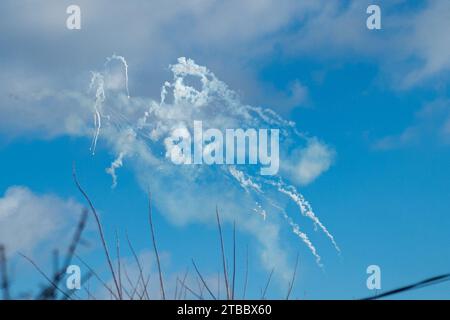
246, 274
4, 274
234, 261
141, 272
223, 255
291, 284
203, 281
263, 296
191, 291
100, 230
150, 218
97, 277
45, 276
50, 292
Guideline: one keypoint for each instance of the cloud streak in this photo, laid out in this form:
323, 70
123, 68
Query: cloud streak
28, 220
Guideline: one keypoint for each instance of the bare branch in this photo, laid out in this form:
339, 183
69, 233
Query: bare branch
191, 291
49, 292
4, 274
141, 272
223, 255
291, 284
45, 276
234, 261
119, 263
97, 277
183, 282
203, 281
246, 274
100, 230
267, 285
161, 282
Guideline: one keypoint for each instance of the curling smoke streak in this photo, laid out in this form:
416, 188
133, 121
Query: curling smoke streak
125, 65
98, 83
116, 164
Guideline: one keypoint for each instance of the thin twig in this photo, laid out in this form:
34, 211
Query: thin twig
291, 284
88, 291
183, 282
161, 282
246, 274
203, 281
267, 285
119, 263
223, 254
141, 272
49, 292
176, 288
56, 268
45, 276
191, 291
146, 285
4, 274
218, 285
134, 287
97, 277
83, 281
100, 230
200, 287
234, 260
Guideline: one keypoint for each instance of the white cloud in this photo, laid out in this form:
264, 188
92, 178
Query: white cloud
298, 93
40, 57
429, 41
33, 105
136, 130
28, 220
305, 165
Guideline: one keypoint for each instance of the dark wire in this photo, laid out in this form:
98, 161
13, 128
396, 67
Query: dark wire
417, 285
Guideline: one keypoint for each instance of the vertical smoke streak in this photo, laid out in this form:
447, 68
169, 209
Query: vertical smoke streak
97, 81
125, 65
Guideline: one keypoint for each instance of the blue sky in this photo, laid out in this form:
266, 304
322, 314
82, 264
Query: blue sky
376, 102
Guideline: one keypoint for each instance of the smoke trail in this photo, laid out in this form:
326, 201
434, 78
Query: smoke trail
116, 164
305, 208
247, 182
98, 82
304, 237
260, 210
140, 129
244, 181
125, 65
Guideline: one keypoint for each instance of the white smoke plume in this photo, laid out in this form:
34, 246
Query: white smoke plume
116, 164
137, 129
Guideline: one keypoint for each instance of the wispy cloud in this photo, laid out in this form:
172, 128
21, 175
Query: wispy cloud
412, 47
430, 126
29, 220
